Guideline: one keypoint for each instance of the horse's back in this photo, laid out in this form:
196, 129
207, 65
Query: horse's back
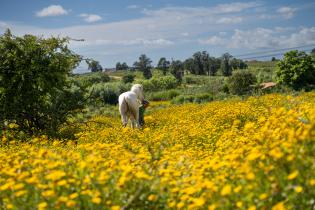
127, 96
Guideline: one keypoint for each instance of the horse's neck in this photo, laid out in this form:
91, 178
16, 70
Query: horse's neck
137, 94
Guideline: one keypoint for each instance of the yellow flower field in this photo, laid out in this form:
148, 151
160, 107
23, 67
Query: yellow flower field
252, 154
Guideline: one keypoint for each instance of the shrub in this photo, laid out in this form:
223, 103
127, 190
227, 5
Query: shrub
194, 80
189, 80
240, 82
128, 78
164, 95
183, 99
34, 82
107, 93
199, 98
92, 78
162, 83
203, 97
296, 70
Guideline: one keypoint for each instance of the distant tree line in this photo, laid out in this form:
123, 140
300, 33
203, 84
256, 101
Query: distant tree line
201, 63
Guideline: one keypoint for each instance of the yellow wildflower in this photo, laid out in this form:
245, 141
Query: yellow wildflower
152, 197
298, 189
293, 175
96, 200
226, 190
279, 206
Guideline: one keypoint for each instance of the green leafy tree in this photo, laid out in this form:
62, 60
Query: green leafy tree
94, 66
313, 54
241, 82
189, 65
296, 70
198, 63
128, 78
118, 66
214, 65
144, 65
242, 65
226, 66
238, 64
163, 65
202, 64
35, 92
122, 66
177, 70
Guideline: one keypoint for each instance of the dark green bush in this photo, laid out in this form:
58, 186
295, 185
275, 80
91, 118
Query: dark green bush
296, 70
35, 92
203, 97
107, 93
189, 80
241, 82
91, 79
199, 98
128, 78
164, 95
161, 83
183, 99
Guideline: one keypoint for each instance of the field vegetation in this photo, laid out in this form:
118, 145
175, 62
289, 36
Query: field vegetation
215, 135
234, 154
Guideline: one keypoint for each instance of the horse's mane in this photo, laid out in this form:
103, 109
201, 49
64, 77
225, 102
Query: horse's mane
138, 90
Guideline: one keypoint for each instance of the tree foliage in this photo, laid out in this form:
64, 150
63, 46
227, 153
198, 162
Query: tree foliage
177, 70
201, 63
163, 65
144, 65
94, 66
128, 78
240, 82
238, 64
296, 70
226, 66
313, 54
35, 92
122, 66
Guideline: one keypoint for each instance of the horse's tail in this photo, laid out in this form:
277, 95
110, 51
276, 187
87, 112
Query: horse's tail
125, 102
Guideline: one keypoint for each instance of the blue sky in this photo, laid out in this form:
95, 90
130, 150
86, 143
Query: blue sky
121, 30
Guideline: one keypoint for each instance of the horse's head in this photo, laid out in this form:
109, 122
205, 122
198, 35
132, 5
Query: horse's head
138, 90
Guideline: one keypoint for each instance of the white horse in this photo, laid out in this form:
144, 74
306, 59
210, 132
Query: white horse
129, 103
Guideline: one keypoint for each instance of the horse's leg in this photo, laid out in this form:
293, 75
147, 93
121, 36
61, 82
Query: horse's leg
124, 119
132, 119
123, 109
135, 115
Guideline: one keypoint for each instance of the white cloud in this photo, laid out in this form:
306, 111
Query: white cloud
52, 10
286, 12
282, 12
130, 42
264, 38
184, 34
235, 7
252, 39
213, 40
3, 24
305, 36
189, 12
91, 18
230, 20
133, 6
